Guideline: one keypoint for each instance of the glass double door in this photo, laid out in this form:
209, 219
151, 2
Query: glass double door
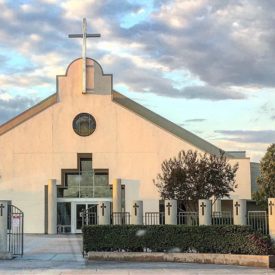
90, 218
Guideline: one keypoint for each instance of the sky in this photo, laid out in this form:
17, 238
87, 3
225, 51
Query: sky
208, 66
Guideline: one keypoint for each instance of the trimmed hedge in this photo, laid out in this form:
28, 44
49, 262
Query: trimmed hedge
176, 238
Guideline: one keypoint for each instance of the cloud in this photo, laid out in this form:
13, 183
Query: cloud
223, 44
210, 93
248, 136
11, 106
268, 110
3, 59
147, 79
195, 120
220, 43
253, 150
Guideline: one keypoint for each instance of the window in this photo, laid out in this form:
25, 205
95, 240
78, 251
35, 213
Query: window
85, 164
86, 182
84, 124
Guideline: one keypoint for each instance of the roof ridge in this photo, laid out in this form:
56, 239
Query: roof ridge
166, 124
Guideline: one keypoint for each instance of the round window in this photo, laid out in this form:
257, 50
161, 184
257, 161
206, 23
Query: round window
84, 124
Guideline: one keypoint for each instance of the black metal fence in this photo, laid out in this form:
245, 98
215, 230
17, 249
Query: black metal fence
258, 220
222, 218
15, 230
188, 218
89, 217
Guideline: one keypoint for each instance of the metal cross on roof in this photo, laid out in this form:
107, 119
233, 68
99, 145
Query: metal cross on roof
84, 35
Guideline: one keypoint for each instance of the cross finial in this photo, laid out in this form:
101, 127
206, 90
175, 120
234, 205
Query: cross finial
135, 206
203, 205
2, 207
102, 207
237, 205
84, 36
169, 205
270, 207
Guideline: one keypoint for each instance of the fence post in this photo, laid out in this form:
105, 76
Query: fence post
137, 212
170, 211
205, 210
239, 212
4, 253
271, 217
104, 212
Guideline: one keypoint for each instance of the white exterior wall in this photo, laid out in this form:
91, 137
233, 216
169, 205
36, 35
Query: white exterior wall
243, 179
129, 146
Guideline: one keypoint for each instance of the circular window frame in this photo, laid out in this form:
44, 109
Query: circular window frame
91, 121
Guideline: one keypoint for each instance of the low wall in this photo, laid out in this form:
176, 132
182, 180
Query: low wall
227, 259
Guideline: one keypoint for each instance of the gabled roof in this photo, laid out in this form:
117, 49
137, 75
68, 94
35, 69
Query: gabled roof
132, 106
41, 106
166, 124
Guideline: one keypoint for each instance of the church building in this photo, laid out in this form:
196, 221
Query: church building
84, 140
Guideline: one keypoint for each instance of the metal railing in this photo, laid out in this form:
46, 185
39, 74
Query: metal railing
222, 218
121, 218
258, 220
89, 216
152, 218
15, 230
188, 218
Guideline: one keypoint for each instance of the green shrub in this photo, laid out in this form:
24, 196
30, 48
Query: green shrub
164, 238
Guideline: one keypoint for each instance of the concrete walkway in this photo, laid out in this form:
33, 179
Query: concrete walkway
61, 254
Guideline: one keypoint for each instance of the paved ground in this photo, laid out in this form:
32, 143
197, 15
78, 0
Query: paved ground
62, 255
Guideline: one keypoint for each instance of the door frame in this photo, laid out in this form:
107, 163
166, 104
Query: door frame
74, 202
79, 231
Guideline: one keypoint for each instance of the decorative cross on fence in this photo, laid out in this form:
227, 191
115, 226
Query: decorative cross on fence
237, 205
2, 207
203, 205
103, 206
271, 204
135, 206
169, 205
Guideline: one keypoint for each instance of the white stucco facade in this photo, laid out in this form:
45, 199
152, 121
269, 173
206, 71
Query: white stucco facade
130, 146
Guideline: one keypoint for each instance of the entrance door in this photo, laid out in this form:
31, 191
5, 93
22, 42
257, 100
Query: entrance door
90, 219
79, 209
